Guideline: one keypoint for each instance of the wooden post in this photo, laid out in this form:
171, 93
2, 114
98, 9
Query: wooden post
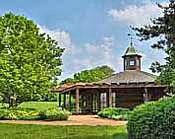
116, 101
59, 100
99, 101
77, 100
64, 100
110, 97
92, 103
145, 95
107, 99
70, 101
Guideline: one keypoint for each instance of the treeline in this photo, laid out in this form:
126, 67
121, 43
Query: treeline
92, 75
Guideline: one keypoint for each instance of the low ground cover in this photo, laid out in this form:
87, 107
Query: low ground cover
19, 114
33, 114
115, 113
15, 131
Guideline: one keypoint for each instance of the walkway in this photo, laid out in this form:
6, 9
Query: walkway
89, 120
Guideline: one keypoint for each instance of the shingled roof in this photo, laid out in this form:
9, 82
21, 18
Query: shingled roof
130, 76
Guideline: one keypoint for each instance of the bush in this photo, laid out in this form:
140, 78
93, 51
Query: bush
55, 114
153, 120
115, 113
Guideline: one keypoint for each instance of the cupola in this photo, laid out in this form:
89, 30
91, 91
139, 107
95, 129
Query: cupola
132, 58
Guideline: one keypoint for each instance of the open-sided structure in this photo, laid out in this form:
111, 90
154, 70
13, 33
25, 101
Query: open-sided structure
126, 89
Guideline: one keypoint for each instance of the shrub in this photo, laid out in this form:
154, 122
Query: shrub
114, 113
153, 120
55, 114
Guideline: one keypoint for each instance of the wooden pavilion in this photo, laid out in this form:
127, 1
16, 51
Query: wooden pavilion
125, 89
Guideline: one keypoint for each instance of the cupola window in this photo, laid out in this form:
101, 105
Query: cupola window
132, 62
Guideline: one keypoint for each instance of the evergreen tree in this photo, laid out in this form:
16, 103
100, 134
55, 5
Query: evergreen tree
163, 29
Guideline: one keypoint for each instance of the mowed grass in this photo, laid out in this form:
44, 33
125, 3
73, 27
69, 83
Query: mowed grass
38, 105
17, 131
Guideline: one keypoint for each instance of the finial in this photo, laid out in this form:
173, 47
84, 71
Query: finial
131, 38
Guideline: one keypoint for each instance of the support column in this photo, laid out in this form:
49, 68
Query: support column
77, 100
70, 101
116, 100
92, 102
145, 95
107, 99
59, 100
64, 100
110, 97
99, 101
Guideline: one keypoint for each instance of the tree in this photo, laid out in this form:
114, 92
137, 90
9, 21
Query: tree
163, 29
29, 60
92, 75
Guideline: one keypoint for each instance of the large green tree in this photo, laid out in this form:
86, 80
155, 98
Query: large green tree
163, 30
29, 60
92, 75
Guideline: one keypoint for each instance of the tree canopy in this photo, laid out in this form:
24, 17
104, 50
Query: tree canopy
92, 75
29, 60
163, 29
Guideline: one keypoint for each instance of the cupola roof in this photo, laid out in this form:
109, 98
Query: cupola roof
131, 51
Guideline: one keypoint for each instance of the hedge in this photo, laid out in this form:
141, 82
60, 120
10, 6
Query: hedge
153, 120
115, 113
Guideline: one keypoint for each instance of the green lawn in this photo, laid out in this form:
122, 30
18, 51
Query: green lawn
38, 105
16, 131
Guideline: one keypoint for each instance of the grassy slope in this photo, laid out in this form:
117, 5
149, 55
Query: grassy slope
39, 105
15, 131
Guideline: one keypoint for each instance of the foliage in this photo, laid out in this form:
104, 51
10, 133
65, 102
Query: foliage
55, 114
153, 120
20, 131
115, 113
19, 114
92, 75
29, 61
40, 106
163, 30
32, 114
50, 97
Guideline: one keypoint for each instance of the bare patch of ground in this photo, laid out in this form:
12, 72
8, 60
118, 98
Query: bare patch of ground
89, 120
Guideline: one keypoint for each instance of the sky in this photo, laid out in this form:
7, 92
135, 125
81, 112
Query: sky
93, 32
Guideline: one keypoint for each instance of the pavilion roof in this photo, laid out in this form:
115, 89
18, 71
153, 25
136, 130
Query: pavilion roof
66, 88
126, 79
130, 76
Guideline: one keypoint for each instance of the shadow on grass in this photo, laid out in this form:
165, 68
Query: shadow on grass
120, 136
117, 136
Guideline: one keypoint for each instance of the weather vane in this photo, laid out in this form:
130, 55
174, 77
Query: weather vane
131, 38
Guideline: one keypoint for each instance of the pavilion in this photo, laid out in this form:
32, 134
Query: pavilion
126, 89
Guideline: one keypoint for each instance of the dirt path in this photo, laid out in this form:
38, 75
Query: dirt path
90, 120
